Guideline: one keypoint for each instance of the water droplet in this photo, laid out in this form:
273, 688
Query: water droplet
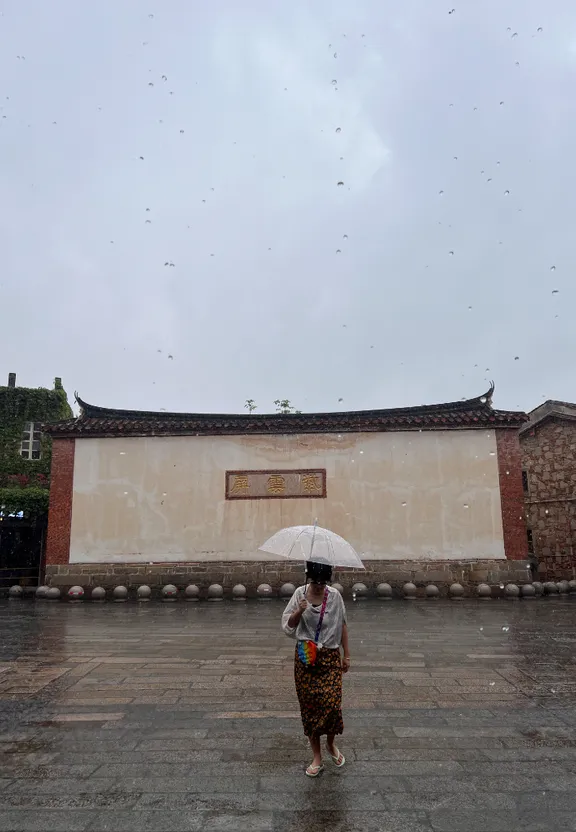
353, 596
501, 103
451, 253
338, 129
338, 251
492, 453
506, 193
340, 184
481, 629
404, 505
539, 29
555, 291
361, 452
552, 268
516, 358
335, 54
552, 690
345, 237
122, 453
492, 684
501, 586
125, 492
505, 628
466, 505
483, 399
441, 193
515, 35
334, 82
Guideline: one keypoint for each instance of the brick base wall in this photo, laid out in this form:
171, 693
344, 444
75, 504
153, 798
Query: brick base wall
396, 573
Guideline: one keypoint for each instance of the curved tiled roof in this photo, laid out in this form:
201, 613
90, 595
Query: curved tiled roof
468, 414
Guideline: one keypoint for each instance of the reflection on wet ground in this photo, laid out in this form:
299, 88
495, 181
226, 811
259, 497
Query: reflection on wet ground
175, 716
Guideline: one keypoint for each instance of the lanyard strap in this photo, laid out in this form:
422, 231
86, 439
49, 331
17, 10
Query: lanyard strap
320, 620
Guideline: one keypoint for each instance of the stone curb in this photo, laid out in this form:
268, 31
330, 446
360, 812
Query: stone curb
265, 592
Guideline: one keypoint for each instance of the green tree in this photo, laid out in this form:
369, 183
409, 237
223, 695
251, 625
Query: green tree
250, 405
284, 406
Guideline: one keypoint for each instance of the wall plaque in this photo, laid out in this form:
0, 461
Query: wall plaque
275, 485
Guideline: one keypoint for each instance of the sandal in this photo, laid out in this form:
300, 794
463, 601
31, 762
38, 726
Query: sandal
314, 771
339, 759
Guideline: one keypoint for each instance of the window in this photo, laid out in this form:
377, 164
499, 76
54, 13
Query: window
525, 484
30, 447
530, 541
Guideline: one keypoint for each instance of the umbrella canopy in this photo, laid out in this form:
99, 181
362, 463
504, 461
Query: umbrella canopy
312, 543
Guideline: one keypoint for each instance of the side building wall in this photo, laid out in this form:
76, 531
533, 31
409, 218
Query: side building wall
549, 463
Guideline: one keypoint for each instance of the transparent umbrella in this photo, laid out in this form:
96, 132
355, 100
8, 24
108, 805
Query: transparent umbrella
312, 543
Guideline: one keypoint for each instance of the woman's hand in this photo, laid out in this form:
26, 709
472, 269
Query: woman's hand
345, 664
303, 605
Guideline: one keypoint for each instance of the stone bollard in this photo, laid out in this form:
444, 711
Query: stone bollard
550, 588
98, 593
538, 587
15, 591
287, 590
120, 593
75, 593
484, 591
264, 592
339, 588
456, 592
432, 591
359, 591
144, 593
572, 585
41, 591
563, 587
215, 592
384, 591
53, 593
169, 592
192, 592
512, 591
528, 591
409, 589
239, 592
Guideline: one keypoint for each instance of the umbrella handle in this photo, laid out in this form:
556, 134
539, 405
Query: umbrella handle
313, 537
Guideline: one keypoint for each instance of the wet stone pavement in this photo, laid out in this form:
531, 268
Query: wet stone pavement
182, 716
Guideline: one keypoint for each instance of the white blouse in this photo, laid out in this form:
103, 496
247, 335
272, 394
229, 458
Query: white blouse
334, 617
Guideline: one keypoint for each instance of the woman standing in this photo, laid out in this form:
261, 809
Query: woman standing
316, 614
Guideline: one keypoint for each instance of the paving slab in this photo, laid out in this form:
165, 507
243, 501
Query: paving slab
180, 717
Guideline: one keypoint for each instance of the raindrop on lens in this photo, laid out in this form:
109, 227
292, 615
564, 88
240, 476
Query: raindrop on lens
505, 628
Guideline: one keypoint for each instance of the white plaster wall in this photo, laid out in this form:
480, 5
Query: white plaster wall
429, 495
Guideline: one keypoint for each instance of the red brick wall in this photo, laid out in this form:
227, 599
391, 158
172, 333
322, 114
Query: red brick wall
549, 459
60, 511
512, 494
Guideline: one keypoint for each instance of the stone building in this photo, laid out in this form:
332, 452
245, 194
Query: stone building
430, 493
548, 444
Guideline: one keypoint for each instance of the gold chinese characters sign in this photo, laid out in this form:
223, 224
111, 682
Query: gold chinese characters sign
261, 485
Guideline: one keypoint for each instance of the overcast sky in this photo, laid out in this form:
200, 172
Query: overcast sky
215, 137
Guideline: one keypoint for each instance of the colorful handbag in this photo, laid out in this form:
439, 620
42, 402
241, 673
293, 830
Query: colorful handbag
308, 650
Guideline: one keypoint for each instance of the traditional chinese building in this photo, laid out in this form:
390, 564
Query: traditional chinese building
548, 443
423, 493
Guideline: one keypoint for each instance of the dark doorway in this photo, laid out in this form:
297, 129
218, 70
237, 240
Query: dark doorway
21, 550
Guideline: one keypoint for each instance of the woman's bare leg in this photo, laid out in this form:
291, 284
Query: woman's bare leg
330, 742
316, 750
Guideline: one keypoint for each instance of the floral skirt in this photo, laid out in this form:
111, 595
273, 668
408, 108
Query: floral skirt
319, 691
